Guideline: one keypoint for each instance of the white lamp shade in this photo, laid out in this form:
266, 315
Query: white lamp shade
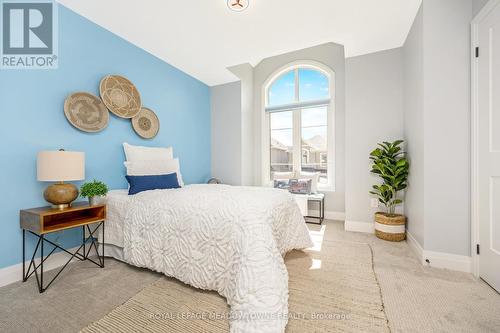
58, 166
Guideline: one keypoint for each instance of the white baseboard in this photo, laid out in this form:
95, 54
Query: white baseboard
434, 259
329, 215
14, 273
338, 216
414, 245
450, 261
357, 226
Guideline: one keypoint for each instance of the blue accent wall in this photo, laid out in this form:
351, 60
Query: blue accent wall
32, 119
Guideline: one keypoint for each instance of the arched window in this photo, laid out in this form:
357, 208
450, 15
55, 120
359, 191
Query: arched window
299, 107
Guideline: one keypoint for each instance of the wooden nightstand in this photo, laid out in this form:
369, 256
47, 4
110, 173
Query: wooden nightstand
44, 220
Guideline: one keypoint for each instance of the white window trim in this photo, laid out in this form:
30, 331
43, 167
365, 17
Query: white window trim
265, 138
299, 105
320, 159
308, 156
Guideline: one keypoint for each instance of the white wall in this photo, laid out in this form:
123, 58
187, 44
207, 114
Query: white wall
331, 55
447, 122
437, 121
245, 73
413, 105
226, 132
374, 113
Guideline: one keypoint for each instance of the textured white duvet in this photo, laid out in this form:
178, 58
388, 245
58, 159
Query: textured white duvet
223, 238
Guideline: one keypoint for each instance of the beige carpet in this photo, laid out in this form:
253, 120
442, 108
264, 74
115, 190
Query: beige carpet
332, 290
417, 299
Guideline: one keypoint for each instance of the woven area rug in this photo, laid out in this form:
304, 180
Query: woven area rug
333, 288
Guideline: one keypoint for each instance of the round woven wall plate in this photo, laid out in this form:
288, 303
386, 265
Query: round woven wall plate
146, 124
86, 112
120, 96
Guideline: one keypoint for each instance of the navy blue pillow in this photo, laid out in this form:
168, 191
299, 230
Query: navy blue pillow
156, 182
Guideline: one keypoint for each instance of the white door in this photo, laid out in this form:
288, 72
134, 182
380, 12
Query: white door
488, 147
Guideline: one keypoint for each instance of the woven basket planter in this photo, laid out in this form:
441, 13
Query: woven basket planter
390, 227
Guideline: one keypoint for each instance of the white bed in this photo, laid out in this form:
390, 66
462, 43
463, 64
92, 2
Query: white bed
216, 237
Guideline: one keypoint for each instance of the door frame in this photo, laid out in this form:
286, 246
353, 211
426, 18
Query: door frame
483, 13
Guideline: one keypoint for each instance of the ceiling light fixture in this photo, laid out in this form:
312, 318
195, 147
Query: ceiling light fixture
238, 5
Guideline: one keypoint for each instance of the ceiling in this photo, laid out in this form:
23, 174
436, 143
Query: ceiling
204, 37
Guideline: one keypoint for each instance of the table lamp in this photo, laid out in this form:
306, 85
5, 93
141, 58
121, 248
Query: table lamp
60, 166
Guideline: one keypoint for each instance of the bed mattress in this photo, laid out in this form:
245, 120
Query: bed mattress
116, 210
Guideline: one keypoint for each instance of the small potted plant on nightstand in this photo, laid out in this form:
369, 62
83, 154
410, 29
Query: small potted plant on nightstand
391, 165
93, 191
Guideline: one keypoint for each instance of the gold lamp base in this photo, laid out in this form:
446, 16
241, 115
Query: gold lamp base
61, 195
61, 206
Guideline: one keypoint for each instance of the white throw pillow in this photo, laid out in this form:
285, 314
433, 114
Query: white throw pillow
141, 153
151, 168
314, 176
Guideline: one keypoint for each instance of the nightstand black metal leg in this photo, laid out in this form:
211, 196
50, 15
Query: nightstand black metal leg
322, 210
24, 254
102, 245
83, 242
41, 264
32, 262
94, 244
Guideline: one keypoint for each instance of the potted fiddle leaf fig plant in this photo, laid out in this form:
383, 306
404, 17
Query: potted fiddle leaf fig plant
93, 191
390, 164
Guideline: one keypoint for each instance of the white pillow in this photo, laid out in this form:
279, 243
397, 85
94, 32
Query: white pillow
141, 153
314, 176
151, 168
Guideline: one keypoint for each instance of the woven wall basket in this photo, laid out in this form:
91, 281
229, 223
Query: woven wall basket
146, 124
120, 96
86, 112
390, 227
